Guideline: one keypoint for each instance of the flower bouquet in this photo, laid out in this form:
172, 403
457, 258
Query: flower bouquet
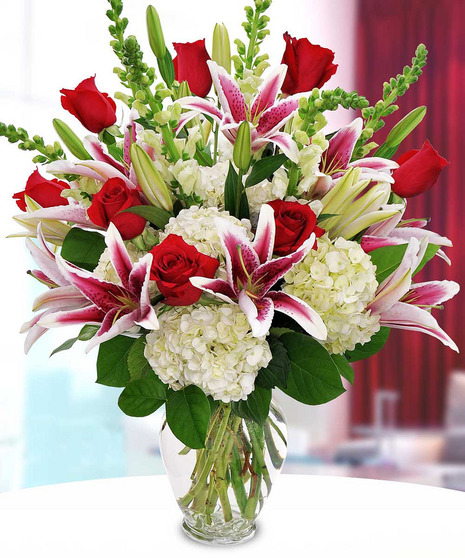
222, 242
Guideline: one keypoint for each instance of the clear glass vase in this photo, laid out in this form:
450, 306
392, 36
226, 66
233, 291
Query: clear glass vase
221, 488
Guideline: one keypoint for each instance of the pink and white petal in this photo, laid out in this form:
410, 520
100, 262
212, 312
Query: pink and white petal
269, 90
376, 163
441, 254
229, 94
140, 275
217, 287
88, 315
341, 145
370, 243
60, 298
95, 148
32, 336
240, 256
369, 174
300, 312
118, 253
418, 223
46, 263
263, 243
70, 213
148, 319
108, 171
406, 316
259, 313
118, 327
274, 118
68, 167
384, 228
185, 118
285, 142
130, 137
268, 273
419, 233
201, 105
431, 293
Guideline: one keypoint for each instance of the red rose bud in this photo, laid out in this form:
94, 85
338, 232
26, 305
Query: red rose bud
418, 171
174, 263
47, 193
295, 222
308, 65
190, 65
108, 203
94, 109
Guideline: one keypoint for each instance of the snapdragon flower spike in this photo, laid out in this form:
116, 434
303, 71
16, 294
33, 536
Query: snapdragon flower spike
403, 305
266, 114
337, 159
117, 308
251, 272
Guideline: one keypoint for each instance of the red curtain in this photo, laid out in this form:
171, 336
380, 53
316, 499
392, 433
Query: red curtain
413, 364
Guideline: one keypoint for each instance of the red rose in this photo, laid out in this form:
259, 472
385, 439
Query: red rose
308, 65
46, 193
295, 222
418, 171
107, 204
94, 110
174, 263
190, 65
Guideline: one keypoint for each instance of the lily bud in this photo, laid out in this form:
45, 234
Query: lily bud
149, 179
155, 32
183, 90
71, 140
221, 48
400, 131
242, 147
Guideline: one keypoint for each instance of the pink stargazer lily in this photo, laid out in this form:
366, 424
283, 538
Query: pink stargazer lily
266, 114
337, 159
251, 272
403, 305
117, 308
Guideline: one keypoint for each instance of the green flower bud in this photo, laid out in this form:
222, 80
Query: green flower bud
405, 126
242, 147
155, 32
183, 90
221, 49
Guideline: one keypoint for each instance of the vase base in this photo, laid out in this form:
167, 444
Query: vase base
219, 538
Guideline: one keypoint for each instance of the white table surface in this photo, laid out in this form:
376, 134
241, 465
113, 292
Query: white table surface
308, 516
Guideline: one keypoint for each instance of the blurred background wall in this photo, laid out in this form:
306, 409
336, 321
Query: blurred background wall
404, 418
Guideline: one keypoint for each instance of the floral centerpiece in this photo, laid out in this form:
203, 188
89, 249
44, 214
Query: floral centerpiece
222, 242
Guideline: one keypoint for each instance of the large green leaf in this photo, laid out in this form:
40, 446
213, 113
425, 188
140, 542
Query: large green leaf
86, 333
112, 361
230, 190
188, 415
142, 397
275, 373
256, 407
83, 248
138, 365
264, 168
345, 369
375, 344
156, 215
314, 377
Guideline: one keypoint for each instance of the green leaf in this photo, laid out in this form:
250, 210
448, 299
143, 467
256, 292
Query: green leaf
138, 365
230, 190
387, 259
142, 397
166, 67
156, 215
314, 377
264, 168
275, 374
400, 131
429, 254
244, 212
256, 407
375, 344
112, 361
345, 369
83, 248
188, 415
86, 333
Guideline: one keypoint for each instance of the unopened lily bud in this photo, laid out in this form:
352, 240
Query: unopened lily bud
221, 49
155, 32
183, 90
242, 147
149, 179
405, 126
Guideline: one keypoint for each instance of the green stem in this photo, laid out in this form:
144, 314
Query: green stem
169, 142
253, 37
215, 144
255, 490
237, 481
258, 446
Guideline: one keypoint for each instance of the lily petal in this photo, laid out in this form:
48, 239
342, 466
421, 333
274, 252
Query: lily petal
274, 118
263, 243
90, 314
259, 313
284, 141
95, 148
217, 287
431, 293
301, 312
341, 145
230, 96
201, 105
269, 90
119, 256
97, 170
60, 298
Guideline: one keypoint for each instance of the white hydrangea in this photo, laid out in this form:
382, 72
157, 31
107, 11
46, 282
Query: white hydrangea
211, 347
338, 280
309, 162
205, 182
267, 191
197, 227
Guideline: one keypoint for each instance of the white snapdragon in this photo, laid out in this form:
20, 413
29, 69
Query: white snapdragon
309, 162
338, 280
211, 347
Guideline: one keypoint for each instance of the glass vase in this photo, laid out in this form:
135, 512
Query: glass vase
221, 487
